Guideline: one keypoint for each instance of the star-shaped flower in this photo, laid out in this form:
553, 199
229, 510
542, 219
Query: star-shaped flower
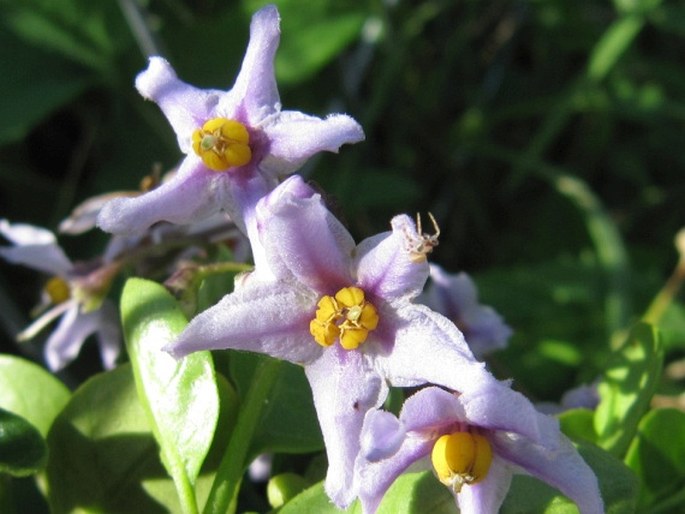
455, 296
65, 295
475, 442
341, 310
238, 143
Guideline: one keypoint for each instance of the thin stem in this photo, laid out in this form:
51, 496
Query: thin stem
229, 475
667, 294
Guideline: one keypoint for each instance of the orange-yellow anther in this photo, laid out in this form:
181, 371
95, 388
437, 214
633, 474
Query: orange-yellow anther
461, 458
57, 290
222, 143
347, 317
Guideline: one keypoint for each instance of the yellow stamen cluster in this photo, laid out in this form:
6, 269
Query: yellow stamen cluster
461, 458
57, 290
347, 316
222, 143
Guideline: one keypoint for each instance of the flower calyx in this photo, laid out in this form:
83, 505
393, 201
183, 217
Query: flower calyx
222, 144
347, 317
461, 458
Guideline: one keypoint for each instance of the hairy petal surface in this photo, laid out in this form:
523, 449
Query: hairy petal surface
255, 84
428, 348
295, 137
185, 106
345, 388
300, 235
271, 318
385, 267
486, 497
556, 462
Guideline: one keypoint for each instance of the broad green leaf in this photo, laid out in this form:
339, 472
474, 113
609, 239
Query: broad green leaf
179, 396
657, 456
315, 501
627, 388
413, 493
22, 449
289, 422
31, 392
618, 487
578, 424
103, 453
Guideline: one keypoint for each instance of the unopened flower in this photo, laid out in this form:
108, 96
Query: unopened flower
341, 310
238, 143
74, 296
455, 296
474, 442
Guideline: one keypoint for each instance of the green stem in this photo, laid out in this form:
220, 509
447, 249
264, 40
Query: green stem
667, 294
229, 475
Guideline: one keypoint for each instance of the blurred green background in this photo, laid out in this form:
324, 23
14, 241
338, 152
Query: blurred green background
545, 136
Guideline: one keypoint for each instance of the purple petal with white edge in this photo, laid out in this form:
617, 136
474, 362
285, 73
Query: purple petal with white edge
255, 86
193, 194
271, 318
384, 266
344, 388
431, 410
428, 348
295, 137
301, 236
496, 406
35, 248
555, 462
373, 479
64, 344
382, 435
486, 497
186, 107
23, 234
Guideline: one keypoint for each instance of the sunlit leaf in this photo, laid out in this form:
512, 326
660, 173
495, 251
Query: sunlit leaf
179, 396
627, 388
657, 456
31, 392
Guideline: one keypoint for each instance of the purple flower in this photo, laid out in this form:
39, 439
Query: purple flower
341, 310
475, 442
66, 295
238, 143
456, 297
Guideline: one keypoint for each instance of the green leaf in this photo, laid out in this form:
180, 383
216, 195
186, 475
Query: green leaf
315, 501
22, 448
289, 423
31, 392
180, 397
657, 456
618, 486
627, 388
103, 456
578, 424
413, 493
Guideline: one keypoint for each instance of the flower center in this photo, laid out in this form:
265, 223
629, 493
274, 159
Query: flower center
347, 317
461, 458
57, 290
222, 143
